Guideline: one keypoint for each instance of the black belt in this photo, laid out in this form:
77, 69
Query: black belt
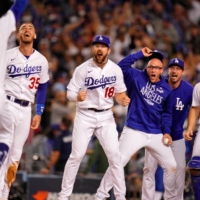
95, 110
19, 101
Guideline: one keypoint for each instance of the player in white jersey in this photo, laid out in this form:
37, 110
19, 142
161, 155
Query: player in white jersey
93, 86
8, 18
194, 164
27, 73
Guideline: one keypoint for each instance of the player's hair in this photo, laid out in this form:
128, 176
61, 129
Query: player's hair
26, 23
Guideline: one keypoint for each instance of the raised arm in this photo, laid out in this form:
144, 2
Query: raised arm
18, 8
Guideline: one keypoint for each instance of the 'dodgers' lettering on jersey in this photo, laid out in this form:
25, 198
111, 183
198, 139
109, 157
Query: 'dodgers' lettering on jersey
92, 83
149, 92
14, 71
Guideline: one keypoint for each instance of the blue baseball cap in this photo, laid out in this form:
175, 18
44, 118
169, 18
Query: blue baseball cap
102, 39
156, 54
176, 62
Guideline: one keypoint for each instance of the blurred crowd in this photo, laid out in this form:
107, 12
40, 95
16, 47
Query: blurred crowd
65, 30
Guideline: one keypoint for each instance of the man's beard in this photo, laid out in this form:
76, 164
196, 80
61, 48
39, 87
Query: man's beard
102, 60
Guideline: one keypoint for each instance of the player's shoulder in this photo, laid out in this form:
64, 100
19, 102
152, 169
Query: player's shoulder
197, 86
165, 84
114, 67
84, 65
186, 85
38, 54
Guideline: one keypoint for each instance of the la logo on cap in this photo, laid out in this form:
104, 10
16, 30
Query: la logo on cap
100, 37
176, 61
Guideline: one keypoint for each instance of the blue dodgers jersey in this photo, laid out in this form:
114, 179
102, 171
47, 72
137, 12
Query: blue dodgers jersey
150, 108
181, 101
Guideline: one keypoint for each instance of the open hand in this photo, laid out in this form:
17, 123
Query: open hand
188, 135
35, 122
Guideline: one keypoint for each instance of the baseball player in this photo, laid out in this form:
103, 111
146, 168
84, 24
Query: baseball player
27, 73
181, 100
194, 163
93, 86
148, 119
8, 18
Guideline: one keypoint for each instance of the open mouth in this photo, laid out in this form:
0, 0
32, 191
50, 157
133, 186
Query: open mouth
99, 54
174, 75
27, 35
153, 75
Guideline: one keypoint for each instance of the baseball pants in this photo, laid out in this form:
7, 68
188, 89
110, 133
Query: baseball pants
22, 119
102, 124
130, 142
151, 164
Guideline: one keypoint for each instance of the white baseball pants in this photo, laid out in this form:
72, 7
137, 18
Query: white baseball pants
21, 127
130, 142
102, 124
151, 164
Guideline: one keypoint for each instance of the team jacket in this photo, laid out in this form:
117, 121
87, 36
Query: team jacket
150, 109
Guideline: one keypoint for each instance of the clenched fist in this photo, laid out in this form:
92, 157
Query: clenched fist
125, 101
82, 95
146, 51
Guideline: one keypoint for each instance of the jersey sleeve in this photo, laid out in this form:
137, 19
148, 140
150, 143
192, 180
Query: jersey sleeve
167, 114
44, 75
7, 24
120, 85
18, 8
76, 83
196, 96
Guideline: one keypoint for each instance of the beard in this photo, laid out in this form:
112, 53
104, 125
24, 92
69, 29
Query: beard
101, 60
26, 41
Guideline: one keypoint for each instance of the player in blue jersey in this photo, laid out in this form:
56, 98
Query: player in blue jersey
194, 163
181, 101
148, 120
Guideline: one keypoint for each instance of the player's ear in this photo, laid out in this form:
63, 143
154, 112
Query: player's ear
35, 36
109, 50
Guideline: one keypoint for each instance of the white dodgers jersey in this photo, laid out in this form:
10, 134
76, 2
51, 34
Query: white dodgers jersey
24, 75
196, 98
7, 26
101, 84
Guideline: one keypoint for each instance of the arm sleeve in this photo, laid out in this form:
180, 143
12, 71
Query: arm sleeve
41, 93
196, 96
125, 64
18, 7
72, 95
167, 115
129, 72
57, 144
77, 81
119, 85
44, 75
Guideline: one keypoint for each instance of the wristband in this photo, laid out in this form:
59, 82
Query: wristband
39, 109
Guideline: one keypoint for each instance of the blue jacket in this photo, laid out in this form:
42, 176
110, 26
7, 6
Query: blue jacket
150, 109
